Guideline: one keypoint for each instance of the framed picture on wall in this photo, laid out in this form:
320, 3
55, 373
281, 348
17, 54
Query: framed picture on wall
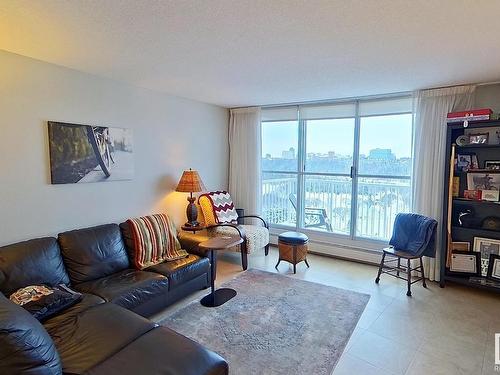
87, 153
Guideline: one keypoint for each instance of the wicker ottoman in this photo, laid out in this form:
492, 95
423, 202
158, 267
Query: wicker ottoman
292, 248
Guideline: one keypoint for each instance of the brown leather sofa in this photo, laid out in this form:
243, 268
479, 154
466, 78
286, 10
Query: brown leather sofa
106, 332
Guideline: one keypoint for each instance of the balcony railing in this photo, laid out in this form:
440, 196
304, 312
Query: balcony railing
329, 198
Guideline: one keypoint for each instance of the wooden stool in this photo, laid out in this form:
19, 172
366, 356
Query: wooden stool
292, 248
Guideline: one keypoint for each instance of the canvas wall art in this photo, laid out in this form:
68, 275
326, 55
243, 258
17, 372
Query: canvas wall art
87, 153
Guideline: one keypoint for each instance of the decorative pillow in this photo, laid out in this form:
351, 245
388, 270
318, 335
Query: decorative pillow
222, 206
155, 240
43, 302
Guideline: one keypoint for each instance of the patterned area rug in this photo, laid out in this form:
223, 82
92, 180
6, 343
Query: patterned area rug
275, 325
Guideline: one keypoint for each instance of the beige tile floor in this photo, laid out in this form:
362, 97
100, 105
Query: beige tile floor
437, 331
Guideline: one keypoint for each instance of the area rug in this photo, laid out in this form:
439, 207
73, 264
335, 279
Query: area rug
275, 325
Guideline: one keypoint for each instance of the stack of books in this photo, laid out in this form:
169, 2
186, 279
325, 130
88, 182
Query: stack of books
471, 115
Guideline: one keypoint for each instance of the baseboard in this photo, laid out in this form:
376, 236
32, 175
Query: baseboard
340, 251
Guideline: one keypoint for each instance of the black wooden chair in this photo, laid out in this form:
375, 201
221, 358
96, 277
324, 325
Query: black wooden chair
414, 236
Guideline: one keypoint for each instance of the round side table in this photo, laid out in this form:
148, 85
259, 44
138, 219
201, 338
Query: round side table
222, 295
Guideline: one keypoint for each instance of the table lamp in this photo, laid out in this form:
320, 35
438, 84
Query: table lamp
190, 182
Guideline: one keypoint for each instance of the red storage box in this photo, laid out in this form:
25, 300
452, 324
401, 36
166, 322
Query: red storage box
471, 115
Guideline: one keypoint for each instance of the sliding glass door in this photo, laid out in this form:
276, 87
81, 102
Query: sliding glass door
280, 177
342, 169
327, 174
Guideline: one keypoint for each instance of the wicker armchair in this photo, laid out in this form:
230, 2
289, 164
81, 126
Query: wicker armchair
255, 237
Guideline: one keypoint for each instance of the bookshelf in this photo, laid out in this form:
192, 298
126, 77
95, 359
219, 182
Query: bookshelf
472, 228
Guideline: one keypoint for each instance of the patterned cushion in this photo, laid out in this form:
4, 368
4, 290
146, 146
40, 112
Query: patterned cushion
257, 236
43, 302
222, 207
155, 240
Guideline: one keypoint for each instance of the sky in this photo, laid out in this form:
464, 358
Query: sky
392, 132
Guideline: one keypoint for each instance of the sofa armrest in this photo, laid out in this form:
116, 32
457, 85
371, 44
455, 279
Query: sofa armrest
190, 241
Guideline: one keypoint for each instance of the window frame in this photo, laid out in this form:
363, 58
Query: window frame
368, 243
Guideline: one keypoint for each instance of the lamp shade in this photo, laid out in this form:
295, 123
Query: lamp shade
190, 182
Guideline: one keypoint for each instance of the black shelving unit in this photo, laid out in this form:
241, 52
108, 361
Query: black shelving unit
482, 209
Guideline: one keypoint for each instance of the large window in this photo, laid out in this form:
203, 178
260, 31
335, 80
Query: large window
340, 168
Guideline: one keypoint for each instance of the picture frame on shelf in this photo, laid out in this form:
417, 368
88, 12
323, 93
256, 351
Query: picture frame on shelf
466, 162
486, 247
479, 138
483, 181
465, 263
493, 165
494, 267
460, 246
490, 195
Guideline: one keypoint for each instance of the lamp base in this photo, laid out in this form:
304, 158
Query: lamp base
193, 224
192, 213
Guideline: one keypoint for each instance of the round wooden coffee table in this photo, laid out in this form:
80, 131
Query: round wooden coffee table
220, 296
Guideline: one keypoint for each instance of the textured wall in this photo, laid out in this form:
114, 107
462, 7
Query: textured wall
170, 134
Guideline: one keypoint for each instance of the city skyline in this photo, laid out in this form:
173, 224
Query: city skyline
377, 153
337, 135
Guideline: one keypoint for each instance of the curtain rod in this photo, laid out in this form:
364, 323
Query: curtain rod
366, 97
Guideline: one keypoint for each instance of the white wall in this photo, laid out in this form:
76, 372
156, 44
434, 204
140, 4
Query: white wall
488, 96
170, 134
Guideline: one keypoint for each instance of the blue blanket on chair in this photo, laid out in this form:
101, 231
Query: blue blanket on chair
415, 234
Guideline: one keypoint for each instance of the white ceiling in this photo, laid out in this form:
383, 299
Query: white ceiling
247, 52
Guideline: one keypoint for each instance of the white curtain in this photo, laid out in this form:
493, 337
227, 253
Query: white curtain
245, 159
431, 108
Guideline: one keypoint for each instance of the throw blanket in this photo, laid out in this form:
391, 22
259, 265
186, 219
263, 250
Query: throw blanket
415, 234
155, 240
222, 206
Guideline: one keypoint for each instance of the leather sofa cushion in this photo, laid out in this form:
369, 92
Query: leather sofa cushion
92, 253
94, 334
71, 314
128, 288
32, 262
25, 346
163, 351
182, 270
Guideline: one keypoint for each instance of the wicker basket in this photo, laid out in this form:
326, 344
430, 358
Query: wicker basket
292, 253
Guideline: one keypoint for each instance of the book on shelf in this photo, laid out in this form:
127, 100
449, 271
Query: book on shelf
471, 115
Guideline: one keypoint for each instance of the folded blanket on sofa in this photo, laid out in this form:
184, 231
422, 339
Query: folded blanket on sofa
415, 234
155, 240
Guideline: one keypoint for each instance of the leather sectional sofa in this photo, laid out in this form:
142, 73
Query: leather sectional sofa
107, 331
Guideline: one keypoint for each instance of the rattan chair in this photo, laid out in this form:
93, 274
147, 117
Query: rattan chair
255, 237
